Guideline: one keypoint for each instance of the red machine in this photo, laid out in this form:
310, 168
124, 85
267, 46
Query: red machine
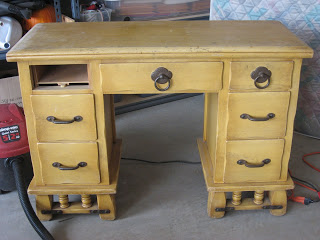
13, 132
15, 162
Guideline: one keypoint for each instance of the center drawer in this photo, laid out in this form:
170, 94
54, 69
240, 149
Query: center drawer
260, 115
260, 160
186, 77
75, 163
64, 117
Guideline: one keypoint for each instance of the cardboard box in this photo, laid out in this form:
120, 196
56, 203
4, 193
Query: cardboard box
10, 91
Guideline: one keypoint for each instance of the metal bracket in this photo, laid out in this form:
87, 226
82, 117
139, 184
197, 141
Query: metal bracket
51, 211
61, 212
262, 207
225, 209
272, 207
57, 8
100, 211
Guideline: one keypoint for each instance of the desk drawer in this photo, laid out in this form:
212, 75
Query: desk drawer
69, 155
254, 152
280, 80
64, 108
257, 106
186, 77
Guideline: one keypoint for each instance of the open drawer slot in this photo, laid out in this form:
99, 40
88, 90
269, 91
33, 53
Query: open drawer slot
60, 75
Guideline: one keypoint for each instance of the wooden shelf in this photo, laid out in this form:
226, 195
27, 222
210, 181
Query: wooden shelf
62, 75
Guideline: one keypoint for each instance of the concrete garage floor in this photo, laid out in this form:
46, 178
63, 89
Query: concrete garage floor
169, 201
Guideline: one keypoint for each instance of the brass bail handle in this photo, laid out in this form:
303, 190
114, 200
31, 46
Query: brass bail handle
62, 167
251, 165
261, 75
161, 76
56, 121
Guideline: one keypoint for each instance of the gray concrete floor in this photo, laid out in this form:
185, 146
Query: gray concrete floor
169, 201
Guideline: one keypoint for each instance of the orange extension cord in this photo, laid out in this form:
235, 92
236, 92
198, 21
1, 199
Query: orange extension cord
305, 200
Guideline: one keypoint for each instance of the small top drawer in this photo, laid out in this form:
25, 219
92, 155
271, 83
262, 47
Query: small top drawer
243, 78
185, 77
64, 117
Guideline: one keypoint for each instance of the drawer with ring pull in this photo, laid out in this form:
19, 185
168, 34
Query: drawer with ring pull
260, 76
64, 117
253, 160
257, 115
163, 77
69, 163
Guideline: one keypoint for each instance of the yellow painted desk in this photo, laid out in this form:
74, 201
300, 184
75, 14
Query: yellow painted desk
248, 70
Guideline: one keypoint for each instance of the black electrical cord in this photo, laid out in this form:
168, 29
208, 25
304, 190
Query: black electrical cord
16, 164
305, 182
161, 162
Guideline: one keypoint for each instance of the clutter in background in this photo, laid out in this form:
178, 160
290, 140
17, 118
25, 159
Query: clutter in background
10, 32
20, 8
44, 15
19, 15
10, 91
96, 11
140, 10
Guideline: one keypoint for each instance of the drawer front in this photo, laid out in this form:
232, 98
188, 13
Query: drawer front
280, 80
253, 152
245, 108
186, 77
69, 155
64, 108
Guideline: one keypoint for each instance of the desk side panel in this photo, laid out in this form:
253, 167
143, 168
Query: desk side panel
25, 77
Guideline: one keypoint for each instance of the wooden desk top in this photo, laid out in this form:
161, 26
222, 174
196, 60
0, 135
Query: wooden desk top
103, 38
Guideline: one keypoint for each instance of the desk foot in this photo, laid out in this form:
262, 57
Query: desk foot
278, 198
105, 207
216, 200
217, 203
44, 203
107, 202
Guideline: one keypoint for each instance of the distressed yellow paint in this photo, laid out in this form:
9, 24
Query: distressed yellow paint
69, 155
257, 105
186, 77
64, 108
214, 57
254, 152
280, 80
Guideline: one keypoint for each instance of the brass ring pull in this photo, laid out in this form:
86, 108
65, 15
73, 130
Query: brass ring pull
247, 116
55, 121
156, 84
261, 75
161, 76
61, 167
249, 165
261, 87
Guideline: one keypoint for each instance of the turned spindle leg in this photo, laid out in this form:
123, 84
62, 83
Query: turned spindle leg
86, 200
64, 201
236, 198
258, 197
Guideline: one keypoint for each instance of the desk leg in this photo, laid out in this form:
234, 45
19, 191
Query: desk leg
44, 202
216, 200
278, 198
107, 201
